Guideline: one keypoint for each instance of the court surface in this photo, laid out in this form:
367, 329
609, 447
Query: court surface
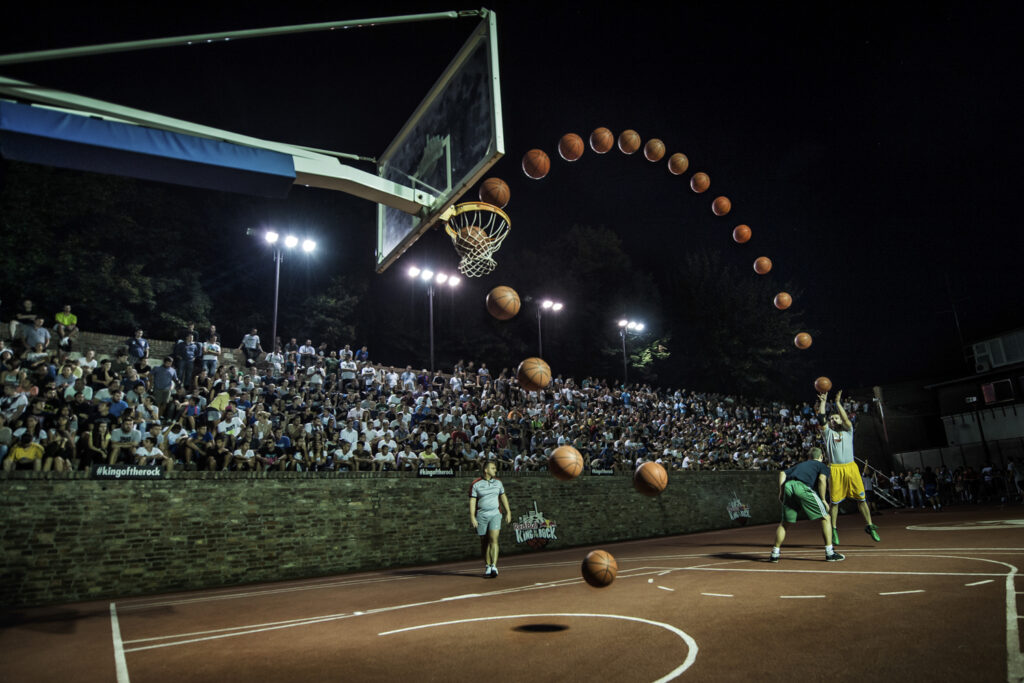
936, 600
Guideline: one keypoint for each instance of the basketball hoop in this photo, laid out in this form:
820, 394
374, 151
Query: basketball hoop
477, 230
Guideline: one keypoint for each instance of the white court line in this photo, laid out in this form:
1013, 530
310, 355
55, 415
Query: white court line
719, 595
260, 592
120, 665
691, 644
667, 589
799, 597
979, 583
920, 590
826, 571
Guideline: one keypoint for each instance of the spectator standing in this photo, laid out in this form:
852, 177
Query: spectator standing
138, 347
23, 318
165, 378
211, 354
185, 353
914, 483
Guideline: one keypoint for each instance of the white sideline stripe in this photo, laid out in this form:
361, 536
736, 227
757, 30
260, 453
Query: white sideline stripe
826, 571
247, 594
691, 644
461, 597
719, 595
667, 589
978, 583
1014, 656
120, 665
798, 597
920, 590
274, 626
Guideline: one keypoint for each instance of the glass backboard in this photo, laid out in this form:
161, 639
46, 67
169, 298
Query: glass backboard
447, 145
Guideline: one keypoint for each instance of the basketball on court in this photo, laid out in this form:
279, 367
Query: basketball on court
783, 301
721, 206
822, 385
599, 568
650, 479
629, 141
470, 238
700, 182
762, 265
565, 463
534, 374
495, 191
678, 163
741, 233
803, 341
570, 147
654, 150
601, 140
536, 164
503, 302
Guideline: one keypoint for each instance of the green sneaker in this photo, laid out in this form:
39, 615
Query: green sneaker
872, 531
835, 536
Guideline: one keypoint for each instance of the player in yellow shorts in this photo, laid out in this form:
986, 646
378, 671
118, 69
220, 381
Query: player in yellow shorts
845, 482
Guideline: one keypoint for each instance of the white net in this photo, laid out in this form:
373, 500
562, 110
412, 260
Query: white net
477, 230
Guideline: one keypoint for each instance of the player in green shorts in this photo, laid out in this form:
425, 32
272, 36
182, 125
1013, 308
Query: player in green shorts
796, 492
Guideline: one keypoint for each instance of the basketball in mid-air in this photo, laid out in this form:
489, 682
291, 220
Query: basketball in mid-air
495, 191
565, 463
741, 233
533, 374
762, 265
700, 182
602, 140
470, 238
629, 141
822, 385
678, 163
650, 479
721, 206
536, 164
570, 147
503, 302
783, 301
654, 150
802, 341
599, 568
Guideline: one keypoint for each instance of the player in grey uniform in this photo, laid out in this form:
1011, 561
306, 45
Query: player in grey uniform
485, 515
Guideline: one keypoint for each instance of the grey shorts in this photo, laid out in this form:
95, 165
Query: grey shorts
487, 520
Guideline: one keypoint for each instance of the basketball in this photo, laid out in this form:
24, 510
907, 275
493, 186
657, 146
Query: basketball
570, 147
822, 385
470, 238
495, 191
783, 301
803, 341
565, 463
536, 164
503, 302
741, 233
762, 265
629, 141
700, 182
721, 206
601, 140
654, 150
533, 374
650, 479
678, 163
599, 568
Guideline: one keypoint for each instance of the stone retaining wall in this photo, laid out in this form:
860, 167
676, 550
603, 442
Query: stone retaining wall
65, 537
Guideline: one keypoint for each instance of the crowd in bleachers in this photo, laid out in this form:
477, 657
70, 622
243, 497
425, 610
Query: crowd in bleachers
309, 407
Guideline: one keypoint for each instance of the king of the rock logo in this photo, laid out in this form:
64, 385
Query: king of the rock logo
534, 529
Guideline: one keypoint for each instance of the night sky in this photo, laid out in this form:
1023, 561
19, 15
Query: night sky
874, 150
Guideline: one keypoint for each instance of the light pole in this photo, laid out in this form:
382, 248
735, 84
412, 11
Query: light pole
290, 242
430, 277
624, 327
546, 305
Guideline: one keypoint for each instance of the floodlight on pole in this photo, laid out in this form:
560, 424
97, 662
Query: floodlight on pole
273, 238
545, 305
431, 278
627, 326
